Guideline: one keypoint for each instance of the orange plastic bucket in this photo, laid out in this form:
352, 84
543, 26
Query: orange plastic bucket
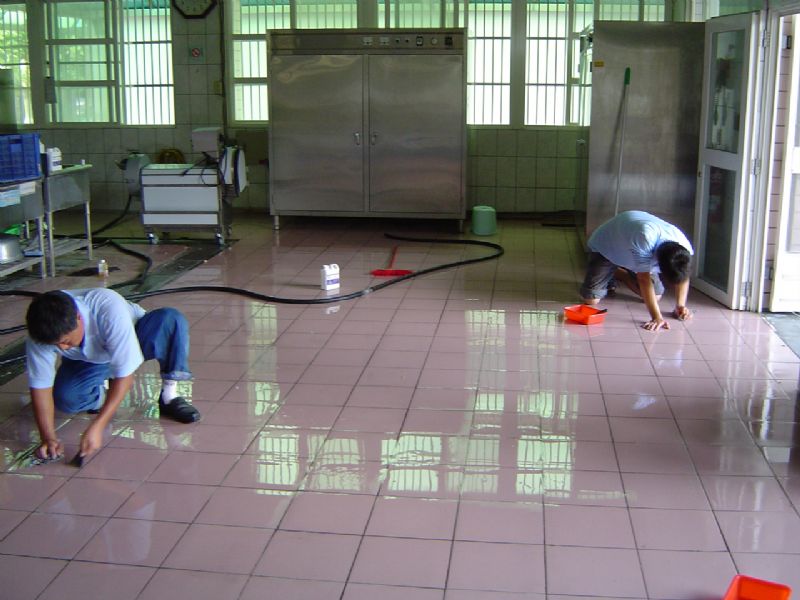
585, 314
743, 587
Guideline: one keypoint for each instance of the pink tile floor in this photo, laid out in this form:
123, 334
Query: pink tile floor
448, 438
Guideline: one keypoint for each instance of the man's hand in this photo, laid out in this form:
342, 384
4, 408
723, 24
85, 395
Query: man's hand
91, 440
50, 449
650, 298
656, 324
682, 313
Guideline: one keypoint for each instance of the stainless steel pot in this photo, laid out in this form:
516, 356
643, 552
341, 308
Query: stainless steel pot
10, 250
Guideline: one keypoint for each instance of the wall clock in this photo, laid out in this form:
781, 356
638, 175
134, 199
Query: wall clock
194, 9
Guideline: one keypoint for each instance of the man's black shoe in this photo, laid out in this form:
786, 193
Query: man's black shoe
179, 410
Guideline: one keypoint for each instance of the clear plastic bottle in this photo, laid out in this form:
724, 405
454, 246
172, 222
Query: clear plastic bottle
102, 268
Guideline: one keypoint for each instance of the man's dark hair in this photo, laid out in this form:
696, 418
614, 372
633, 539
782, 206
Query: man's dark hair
51, 316
673, 261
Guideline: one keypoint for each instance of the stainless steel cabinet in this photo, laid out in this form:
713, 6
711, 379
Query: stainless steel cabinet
315, 124
415, 127
367, 123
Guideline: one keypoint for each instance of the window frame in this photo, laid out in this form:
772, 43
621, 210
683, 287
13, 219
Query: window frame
150, 50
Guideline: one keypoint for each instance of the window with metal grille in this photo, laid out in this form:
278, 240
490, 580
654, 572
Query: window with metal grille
631, 10
148, 91
489, 63
395, 14
410, 14
15, 58
110, 61
547, 56
80, 55
323, 14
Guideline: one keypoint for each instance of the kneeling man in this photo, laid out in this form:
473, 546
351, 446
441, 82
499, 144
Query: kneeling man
640, 250
100, 336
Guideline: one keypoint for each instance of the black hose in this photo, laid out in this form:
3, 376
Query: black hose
16, 328
140, 255
279, 300
499, 251
116, 220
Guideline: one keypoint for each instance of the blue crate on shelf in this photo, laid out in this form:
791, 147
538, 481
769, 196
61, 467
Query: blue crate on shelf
19, 157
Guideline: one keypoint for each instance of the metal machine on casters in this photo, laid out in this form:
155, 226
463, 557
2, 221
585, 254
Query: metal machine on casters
181, 197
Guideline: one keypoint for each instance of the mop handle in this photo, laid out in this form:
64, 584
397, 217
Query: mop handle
391, 260
622, 136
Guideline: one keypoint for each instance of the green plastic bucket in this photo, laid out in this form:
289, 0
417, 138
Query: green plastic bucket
484, 220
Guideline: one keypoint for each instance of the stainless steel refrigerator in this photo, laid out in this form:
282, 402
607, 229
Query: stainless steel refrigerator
367, 123
643, 144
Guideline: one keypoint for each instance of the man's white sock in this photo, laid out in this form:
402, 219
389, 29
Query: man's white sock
169, 390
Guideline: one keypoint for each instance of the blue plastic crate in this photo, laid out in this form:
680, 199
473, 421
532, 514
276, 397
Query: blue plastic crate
19, 157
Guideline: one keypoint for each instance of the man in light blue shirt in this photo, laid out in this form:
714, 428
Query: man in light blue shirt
640, 250
99, 336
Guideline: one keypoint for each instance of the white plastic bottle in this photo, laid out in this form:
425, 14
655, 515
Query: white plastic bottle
102, 268
329, 275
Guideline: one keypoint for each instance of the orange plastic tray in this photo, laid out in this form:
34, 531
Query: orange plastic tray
743, 587
585, 314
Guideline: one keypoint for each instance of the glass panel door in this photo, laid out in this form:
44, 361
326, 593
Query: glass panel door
718, 219
725, 156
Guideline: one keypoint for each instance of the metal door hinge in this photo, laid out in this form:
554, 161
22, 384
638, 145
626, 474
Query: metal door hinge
747, 289
765, 39
756, 166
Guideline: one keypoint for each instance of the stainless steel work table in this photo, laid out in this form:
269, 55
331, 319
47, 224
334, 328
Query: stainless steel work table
64, 189
30, 208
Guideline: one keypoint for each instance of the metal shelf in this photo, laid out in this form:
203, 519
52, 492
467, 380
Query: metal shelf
24, 263
66, 245
64, 189
29, 208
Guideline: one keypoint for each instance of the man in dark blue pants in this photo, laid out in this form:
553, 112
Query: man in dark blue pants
100, 337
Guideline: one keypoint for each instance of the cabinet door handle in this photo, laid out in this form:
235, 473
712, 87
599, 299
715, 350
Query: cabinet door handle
357, 137
374, 138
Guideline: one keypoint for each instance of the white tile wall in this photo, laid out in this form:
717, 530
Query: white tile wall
777, 168
528, 170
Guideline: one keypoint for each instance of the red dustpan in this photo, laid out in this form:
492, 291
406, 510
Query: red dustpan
389, 271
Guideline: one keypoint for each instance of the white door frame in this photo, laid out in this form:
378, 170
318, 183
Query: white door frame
757, 272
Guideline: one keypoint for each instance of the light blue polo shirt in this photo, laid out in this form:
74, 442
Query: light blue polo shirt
630, 240
110, 337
